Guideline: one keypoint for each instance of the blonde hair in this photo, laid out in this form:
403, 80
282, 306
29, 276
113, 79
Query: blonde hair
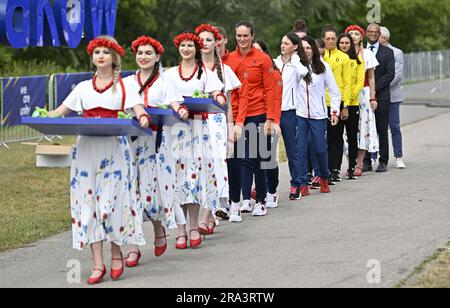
117, 61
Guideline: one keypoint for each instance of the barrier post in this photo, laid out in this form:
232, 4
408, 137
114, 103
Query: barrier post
52, 96
3, 135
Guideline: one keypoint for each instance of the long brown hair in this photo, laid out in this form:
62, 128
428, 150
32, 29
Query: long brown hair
352, 51
317, 65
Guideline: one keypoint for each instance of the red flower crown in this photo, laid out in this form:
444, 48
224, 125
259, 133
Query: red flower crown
208, 28
356, 28
147, 40
188, 37
101, 42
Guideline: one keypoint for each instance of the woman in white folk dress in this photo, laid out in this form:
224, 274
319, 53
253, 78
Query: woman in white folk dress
103, 200
154, 163
221, 125
192, 147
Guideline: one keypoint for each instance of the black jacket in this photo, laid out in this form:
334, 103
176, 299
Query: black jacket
384, 73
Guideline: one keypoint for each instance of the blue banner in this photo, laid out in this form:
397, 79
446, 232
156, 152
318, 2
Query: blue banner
21, 95
65, 83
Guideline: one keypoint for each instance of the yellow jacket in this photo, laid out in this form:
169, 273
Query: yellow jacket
358, 78
340, 65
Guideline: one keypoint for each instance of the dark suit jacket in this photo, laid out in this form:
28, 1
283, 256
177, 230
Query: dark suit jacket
384, 73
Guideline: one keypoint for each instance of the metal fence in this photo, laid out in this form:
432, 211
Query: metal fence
59, 87
14, 134
424, 66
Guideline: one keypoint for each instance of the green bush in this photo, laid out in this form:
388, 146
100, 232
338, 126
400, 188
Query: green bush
5, 55
32, 67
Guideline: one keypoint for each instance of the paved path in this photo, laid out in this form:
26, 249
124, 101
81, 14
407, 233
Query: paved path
398, 218
433, 93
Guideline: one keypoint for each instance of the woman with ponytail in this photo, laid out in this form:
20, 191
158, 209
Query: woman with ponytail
312, 115
301, 29
103, 194
193, 148
293, 64
221, 125
154, 162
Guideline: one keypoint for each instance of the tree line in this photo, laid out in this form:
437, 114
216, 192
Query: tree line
416, 25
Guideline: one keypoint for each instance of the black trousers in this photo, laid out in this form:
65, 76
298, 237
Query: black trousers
382, 119
352, 128
234, 176
335, 144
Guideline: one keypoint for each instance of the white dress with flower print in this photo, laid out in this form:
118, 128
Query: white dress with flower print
368, 135
219, 135
155, 168
193, 147
103, 184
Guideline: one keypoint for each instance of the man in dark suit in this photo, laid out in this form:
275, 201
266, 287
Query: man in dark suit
384, 75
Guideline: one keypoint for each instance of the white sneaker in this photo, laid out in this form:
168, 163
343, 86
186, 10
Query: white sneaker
235, 215
260, 210
400, 164
223, 213
272, 201
246, 207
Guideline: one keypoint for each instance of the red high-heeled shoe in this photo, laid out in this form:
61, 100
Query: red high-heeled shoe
117, 273
181, 246
159, 251
134, 263
195, 243
211, 230
203, 231
93, 281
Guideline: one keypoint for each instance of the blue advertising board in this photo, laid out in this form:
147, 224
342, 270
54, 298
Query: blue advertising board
21, 95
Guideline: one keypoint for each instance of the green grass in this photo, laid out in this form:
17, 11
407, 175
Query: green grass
34, 203
282, 149
434, 272
438, 274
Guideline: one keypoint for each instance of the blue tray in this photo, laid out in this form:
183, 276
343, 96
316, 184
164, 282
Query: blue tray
204, 105
86, 127
164, 117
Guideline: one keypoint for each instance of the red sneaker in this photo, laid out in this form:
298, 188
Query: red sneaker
324, 187
316, 183
295, 194
305, 191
